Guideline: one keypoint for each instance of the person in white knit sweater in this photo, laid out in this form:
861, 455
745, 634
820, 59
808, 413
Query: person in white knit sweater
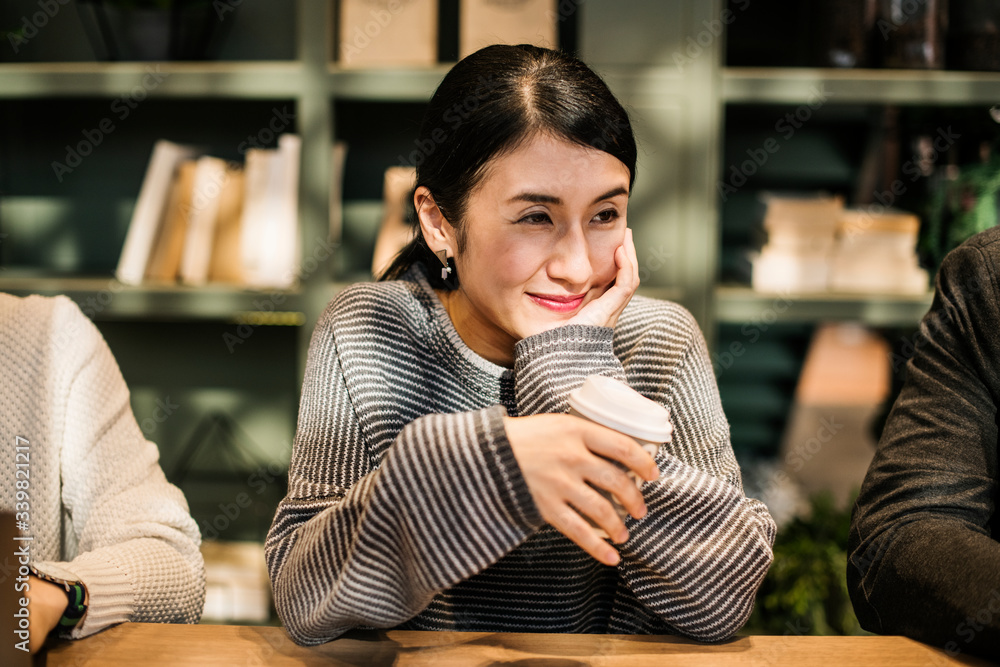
110, 539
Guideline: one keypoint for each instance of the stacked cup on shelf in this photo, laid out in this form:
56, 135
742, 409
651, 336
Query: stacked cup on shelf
814, 244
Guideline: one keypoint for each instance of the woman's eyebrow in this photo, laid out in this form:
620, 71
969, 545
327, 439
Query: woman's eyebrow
616, 192
539, 198
536, 198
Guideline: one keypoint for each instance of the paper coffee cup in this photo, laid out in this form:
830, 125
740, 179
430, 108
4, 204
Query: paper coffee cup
614, 404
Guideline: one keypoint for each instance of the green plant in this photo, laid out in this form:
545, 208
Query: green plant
805, 592
961, 208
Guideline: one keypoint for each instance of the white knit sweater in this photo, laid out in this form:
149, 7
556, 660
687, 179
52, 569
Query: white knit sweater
100, 509
406, 506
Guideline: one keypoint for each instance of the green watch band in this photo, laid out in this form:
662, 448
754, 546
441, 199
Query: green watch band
76, 599
77, 607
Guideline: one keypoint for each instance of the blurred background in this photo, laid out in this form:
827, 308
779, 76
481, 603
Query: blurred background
803, 169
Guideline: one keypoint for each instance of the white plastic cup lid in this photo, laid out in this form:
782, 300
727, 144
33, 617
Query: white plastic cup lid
616, 405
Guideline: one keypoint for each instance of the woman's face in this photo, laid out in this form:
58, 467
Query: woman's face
541, 232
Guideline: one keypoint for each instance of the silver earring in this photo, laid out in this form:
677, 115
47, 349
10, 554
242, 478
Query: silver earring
445, 268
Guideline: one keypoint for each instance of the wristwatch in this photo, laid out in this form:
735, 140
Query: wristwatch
76, 598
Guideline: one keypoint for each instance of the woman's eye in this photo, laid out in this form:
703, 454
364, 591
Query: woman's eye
535, 218
607, 215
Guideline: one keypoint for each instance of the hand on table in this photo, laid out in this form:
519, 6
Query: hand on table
46, 605
562, 458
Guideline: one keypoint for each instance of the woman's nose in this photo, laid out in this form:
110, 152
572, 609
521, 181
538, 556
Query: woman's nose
570, 259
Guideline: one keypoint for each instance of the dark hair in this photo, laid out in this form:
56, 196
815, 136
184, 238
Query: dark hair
487, 105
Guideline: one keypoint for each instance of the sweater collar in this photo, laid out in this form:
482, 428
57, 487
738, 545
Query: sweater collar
448, 344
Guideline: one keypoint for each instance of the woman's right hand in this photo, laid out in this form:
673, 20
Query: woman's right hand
562, 458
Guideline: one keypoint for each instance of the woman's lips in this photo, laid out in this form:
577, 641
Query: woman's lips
559, 304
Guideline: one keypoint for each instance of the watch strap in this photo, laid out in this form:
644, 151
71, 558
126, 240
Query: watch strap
77, 598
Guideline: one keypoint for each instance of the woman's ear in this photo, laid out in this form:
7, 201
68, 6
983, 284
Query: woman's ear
437, 231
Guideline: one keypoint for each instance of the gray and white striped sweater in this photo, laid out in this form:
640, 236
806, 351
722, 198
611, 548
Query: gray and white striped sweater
406, 507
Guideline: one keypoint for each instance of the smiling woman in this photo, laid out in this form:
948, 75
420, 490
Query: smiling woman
437, 481
538, 248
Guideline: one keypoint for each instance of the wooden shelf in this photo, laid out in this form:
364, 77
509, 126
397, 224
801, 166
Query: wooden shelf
410, 85
217, 80
736, 304
255, 80
103, 298
237, 80
874, 86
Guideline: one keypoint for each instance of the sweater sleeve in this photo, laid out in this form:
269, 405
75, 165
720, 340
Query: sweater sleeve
360, 541
550, 365
137, 546
922, 560
701, 552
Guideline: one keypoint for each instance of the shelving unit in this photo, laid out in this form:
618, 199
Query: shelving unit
744, 320
246, 80
314, 84
170, 340
678, 113
390, 85
305, 81
738, 304
108, 299
868, 86
799, 86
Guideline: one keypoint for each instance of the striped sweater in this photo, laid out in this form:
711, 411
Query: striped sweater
406, 507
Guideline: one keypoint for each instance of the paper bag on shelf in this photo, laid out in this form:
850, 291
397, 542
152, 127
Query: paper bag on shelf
485, 22
388, 33
800, 239
165, 261
225, 265
209, 181
150, 207
876, 253
269, 231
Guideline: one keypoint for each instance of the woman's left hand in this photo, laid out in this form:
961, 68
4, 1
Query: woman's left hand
604, 310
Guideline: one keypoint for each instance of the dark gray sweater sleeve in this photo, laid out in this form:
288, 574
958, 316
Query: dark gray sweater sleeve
363, 542
922, 559
701, 552
550, 365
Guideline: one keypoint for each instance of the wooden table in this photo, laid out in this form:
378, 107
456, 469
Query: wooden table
142, 644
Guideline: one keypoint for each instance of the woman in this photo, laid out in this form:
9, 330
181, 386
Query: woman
111, 540
436, 481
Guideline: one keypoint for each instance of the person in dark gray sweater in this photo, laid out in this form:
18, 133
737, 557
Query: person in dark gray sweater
436, 481
924, 558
